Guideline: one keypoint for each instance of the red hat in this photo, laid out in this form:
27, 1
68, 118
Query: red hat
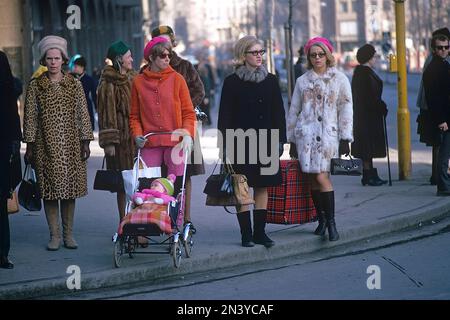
316, 40
151, 44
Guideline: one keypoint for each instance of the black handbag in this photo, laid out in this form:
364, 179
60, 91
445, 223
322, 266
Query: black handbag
218, 185
29, 195
346, 167
108, 180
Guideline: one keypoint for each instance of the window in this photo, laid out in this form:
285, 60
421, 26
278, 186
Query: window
348, 28
344, 6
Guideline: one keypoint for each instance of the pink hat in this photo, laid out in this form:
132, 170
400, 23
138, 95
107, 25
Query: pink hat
151, 44
316, 40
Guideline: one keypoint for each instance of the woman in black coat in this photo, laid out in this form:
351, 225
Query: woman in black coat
369, 112
251, 110
10, 137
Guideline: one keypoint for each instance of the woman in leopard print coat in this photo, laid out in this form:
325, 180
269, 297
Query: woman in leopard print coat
57, 131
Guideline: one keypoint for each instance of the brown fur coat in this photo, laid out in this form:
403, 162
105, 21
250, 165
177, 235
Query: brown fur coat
113, 101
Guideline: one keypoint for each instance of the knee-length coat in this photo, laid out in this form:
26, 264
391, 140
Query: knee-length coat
56, 120
368, 114
113, 105
320, 115
253, 106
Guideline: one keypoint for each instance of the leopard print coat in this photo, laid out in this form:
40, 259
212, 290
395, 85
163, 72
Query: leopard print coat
56, 121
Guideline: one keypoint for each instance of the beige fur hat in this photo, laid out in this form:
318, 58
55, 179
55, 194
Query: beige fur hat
53, 42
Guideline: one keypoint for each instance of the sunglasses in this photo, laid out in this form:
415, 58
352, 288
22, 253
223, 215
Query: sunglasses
442, 47
165, 55
317, 55
256, 52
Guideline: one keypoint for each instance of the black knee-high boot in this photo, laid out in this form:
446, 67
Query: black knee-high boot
246, 228
259, 225
328, 206
320, 230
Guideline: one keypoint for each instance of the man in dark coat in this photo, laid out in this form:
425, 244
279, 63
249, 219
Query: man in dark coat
436, 81
10, 136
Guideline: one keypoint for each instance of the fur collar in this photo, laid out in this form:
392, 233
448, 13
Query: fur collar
110, 74
45, 83
257, 75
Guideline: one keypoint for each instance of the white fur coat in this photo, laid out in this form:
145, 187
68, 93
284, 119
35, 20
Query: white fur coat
320, 115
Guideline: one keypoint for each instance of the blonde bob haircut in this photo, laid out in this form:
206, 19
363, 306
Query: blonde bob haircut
243, 45
331, 62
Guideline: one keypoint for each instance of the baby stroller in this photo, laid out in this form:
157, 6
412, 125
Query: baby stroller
151, 220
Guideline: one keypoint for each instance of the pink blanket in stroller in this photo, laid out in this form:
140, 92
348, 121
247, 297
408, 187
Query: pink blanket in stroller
149, 213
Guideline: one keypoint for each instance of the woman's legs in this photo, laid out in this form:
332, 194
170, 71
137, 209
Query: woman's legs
121, 204
4, 235
51, 209
67, 215
322, 182
259, 218
370, 174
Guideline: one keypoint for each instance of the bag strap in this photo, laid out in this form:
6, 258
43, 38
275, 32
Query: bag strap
226, 209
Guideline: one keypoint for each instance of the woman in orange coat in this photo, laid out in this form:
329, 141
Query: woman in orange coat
160, 102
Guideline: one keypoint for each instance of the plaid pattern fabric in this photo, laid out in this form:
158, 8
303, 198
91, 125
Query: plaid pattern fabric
149, 213
291, 202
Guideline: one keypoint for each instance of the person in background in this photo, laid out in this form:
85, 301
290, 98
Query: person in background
10, 136
369, 113
113, 103
196, 165
320, 126
57, 131
428, 133
251, 101
89, 86
436, 83
299, 68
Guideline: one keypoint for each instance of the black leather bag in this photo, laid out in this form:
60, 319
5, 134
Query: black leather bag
29, 195
346, 167
219, 185
108, 180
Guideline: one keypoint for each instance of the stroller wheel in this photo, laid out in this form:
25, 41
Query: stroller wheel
187, 241
118, 252
176, 254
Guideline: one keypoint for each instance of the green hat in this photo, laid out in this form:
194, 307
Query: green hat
118, 48
167, 183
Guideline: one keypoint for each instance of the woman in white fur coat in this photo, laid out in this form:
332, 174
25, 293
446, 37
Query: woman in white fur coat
320, 126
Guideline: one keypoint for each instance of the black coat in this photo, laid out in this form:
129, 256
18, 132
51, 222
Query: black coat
436, 83
368, 113
9, 123
249, 105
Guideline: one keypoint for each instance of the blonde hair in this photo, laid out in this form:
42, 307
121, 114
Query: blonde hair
241, 46
331, 62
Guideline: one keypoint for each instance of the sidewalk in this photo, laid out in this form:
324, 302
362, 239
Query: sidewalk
361, 212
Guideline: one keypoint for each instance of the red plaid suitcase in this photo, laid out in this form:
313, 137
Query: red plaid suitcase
291, 202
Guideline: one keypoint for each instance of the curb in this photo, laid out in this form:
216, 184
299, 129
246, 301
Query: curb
285, 247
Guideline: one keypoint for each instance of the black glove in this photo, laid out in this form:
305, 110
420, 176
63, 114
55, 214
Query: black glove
293, 151
344, 147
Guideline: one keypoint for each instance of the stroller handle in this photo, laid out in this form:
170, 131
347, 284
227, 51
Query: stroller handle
150, 134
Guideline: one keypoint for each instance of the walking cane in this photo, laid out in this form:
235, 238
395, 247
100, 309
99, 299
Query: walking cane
387, 151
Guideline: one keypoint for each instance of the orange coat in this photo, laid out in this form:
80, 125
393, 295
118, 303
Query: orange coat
160, 101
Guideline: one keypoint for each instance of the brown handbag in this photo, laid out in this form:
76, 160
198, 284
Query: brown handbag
13, 203
239, 196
